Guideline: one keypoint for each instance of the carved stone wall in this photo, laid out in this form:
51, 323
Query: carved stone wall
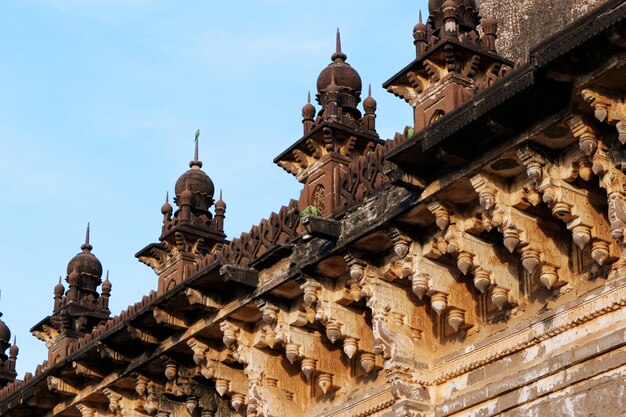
523, 24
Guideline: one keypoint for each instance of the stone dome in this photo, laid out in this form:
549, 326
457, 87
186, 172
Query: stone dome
199, 184
345, 75
85, 262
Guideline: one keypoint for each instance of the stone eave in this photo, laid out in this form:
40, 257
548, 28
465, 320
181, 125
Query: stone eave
186, 228
300, 144
399, 78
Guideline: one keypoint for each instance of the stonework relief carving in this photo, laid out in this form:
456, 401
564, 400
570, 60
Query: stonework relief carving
609, 107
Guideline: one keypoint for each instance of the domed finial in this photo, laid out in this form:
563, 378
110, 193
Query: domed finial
369, 105
14, 350
86, 247
338, 55
196, 163
308, 111
220, 204
106, 285
59, 289
166, 208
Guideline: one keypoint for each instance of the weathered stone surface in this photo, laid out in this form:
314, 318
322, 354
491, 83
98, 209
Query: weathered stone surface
523, 24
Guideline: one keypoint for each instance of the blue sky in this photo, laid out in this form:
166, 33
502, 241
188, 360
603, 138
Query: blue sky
99, 103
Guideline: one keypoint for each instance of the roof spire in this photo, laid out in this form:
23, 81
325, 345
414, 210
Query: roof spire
196, 163
106, 285
338, 55
86, 247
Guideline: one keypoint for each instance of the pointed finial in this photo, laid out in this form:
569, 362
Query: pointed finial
14, 350
369, 90
421, 16
166, 208
196, 163
106, 285
338, 45
338, 55
86, 246
220, 205
308, 100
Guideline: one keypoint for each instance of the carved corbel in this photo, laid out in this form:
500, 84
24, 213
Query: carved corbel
326, 383
608, 107
400, 242
486, 190
199, 349
86, 411
550, 278
87, 371
115, 401
171, 368
107, 351
312, 290
59, 386
231, 332
142, 335
141, 384
269, 312
500, 297
441, 213
439, 302
352, 291
587, 138
456, 319
533, 160
195, 297
163, 317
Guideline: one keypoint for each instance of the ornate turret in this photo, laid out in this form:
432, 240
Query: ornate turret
453, 62
79, 309
7, 362
338, 135
191, 231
